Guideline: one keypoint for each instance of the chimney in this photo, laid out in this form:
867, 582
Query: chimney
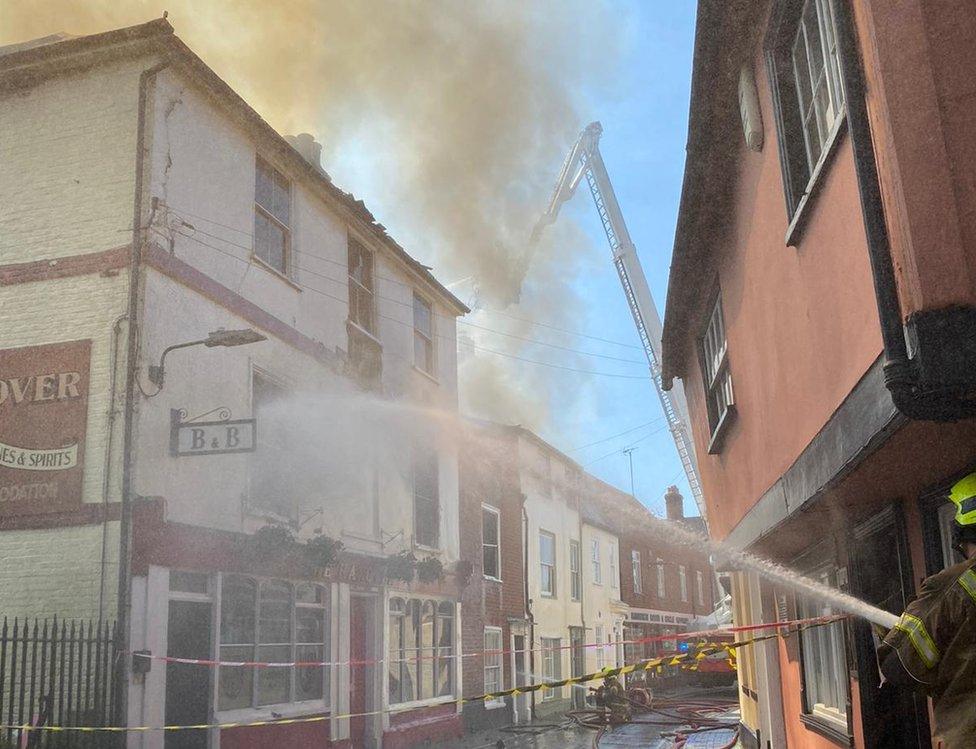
673, 501
309, 148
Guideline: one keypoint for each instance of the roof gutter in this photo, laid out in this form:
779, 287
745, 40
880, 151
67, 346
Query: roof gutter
932, 386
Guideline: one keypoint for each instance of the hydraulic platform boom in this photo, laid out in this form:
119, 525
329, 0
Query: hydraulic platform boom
585, 161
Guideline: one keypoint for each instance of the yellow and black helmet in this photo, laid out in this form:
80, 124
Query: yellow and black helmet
963, 496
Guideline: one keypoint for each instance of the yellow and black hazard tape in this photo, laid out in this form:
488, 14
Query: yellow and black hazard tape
687, 660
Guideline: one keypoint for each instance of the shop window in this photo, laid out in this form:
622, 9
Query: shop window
547, 564
552, 666
423, 335
272, 216
635, 568
804, 68
493, 665
824, 660
595, 559
717, 376
575, 563
421, 650
273, 466
490, 549
426, 500
271, 620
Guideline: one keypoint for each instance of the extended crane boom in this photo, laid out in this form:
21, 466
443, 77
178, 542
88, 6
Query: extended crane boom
584, 160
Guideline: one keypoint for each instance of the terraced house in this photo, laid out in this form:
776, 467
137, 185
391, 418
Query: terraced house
204, 346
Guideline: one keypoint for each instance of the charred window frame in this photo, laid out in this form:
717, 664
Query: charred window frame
802, 62
365, 351
423, 334
716, 376
272, 217
426, 500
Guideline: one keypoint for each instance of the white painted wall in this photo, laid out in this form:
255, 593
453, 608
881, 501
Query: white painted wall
601, 601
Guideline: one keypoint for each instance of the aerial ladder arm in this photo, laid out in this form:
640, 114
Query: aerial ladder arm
585, 162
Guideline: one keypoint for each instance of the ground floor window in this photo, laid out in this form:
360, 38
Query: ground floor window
552, 668
276, 621
421, 649
824, 660
493, 664
601, 653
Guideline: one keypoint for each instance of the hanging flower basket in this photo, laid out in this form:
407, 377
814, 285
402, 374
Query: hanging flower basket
401, 566
430, 570
271, 541
322, 551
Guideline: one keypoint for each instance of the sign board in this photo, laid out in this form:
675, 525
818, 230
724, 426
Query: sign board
43, 420
211, 437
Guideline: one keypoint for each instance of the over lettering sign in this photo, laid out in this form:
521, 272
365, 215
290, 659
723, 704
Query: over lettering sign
43, 418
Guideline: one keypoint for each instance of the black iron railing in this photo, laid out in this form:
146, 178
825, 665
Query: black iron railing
56, 673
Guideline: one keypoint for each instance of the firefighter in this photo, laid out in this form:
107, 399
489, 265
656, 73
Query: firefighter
932, 648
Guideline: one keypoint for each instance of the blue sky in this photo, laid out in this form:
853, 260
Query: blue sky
644, 132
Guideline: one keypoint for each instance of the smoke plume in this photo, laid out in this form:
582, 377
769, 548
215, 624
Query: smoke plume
458, 113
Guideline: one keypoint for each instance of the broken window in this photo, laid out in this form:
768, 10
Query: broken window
421, 650
426, 500
272, 217
361, 309
274, 470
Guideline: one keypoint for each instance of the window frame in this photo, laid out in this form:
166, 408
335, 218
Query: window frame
716, 374
497, 545
268, 214
799, 168
662, 583
252, 679
435, 501
491, 704
426, 338
551, 592
357, 286
637, 574
436, 651
831, 719
601, 654
683, 582
596, 562
551, 653
614, 572
700, 587
575, 570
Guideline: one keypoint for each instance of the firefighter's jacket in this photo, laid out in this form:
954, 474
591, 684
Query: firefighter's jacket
935, 641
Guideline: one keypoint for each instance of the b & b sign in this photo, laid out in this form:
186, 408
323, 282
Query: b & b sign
213, 437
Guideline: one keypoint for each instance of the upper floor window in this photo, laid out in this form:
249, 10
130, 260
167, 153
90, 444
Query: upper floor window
272, 484
361, 309
547, 564
490, 557
595, 558
805, 70
683, 582
635, 566
716, 375
614, 579
575, 563
662, 588
272, 216
700, 587
423, 335
271, 620
426, 499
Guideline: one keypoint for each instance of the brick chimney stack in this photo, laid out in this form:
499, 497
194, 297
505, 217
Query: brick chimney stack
674, 501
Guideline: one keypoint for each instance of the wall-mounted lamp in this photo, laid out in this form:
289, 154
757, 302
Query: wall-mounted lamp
216, 338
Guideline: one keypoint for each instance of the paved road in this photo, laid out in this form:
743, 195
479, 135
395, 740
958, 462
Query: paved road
549, 734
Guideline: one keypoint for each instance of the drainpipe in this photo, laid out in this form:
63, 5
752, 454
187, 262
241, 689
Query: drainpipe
122, 665
527, 600
900, 371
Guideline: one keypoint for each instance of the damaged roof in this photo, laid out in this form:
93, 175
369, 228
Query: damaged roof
26, 63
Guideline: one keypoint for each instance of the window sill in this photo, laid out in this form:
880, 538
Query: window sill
428, 375
273, 712
363, 332
827, 729
802, 211
274, 272
494, 704
401, 707
721, 430
432, 550
491, 579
